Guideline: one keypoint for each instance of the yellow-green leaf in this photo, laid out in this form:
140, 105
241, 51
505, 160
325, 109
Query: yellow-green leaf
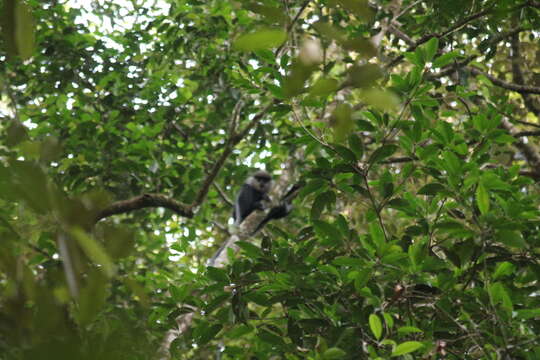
24, 30
375, 325
324, 87
334, 353
431, 48
482, 199
407, 347
94, 250
261, 40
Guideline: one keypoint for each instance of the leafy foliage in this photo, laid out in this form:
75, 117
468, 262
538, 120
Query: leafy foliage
415, 235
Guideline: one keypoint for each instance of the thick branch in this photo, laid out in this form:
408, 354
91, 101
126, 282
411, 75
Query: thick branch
157, 200
527, 133
145, 201
522, 89
528, 151
518, 75
400, 34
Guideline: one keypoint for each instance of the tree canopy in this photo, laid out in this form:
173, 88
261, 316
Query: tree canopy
409, 127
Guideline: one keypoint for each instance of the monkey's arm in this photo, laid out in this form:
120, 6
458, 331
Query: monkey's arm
277, 212
283, 209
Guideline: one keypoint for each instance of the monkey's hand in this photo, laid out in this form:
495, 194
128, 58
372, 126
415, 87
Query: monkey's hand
259, 205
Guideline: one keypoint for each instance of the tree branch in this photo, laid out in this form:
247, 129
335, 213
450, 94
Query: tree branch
518, 75
291, 25
527, 123
223, 195
427, 37
145, 201
527, 133
528, 151
186, 210
522, 89
233, 140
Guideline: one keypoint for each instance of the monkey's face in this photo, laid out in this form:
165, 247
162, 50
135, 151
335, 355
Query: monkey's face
263, 184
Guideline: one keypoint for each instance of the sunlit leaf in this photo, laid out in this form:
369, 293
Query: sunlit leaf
407, 347
431, 48
482, 199
260, 40
375, 325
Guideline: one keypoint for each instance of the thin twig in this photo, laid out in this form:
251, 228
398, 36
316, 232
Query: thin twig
222, 194
291, 25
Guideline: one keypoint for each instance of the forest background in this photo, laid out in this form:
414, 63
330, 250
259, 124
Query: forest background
128, 127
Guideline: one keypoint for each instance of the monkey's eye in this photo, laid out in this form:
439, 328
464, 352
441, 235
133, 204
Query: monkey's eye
263, 180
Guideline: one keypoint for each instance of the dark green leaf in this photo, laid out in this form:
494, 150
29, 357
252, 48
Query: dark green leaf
382, 153
431, 189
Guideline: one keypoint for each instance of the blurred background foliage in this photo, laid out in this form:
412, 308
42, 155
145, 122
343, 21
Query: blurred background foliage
414, 124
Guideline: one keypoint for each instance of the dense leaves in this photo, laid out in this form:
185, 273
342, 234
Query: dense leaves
412, 125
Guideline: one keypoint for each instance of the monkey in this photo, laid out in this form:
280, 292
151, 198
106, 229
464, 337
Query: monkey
251, 196
281, 210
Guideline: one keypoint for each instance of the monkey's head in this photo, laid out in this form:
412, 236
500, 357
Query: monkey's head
261, 181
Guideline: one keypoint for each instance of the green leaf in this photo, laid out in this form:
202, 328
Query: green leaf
364, 76
528, 313
431, 189
250, 249
377, 234
325, 200
217, 274
361, 279
334, 353
382, 153
511, 238
312, 186
273, 14
503, 269
431, 48
206, 332
326, 232
389, 320
407, 347
360, 8
341, 122
18, 28
414, 59
375, 325
24, 30
445, 59
261, 40
408, 330
482, 199
345, 153
94, 250
355, 144
270, 337
499, 295
452, 163
324, 87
